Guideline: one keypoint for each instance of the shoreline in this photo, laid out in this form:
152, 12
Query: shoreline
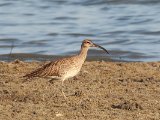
41, 57
102, 90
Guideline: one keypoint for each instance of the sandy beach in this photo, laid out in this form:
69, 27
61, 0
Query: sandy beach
101, 91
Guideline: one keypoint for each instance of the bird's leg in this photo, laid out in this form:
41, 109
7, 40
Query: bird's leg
62, 90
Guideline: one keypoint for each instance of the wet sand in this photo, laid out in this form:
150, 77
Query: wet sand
102, 90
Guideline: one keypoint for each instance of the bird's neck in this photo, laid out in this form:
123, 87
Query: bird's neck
83, 52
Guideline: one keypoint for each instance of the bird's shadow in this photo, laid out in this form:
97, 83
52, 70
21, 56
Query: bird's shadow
52, 80
27, 79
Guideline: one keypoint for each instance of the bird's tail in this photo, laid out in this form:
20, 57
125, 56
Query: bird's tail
40, 72
30, 75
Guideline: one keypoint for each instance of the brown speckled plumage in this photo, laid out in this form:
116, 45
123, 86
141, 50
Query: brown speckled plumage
64, 68
58, 68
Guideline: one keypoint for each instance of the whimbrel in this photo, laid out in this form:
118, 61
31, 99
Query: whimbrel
67, 67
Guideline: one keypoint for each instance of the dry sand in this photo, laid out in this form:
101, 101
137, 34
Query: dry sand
102, 90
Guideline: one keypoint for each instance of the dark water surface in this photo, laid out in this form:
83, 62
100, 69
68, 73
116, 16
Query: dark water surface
128, 29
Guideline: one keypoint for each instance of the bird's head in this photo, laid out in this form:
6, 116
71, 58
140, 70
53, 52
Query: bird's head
88, 43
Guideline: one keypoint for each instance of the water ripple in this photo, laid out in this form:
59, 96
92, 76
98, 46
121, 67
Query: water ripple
127, 28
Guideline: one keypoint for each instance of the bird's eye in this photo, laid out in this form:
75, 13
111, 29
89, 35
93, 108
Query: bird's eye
88, 42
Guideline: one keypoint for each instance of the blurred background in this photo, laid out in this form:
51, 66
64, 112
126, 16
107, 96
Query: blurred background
128, 29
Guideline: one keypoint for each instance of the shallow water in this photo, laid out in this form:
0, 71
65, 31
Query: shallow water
128, 29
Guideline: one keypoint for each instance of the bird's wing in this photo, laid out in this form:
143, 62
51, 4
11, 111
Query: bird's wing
49, 69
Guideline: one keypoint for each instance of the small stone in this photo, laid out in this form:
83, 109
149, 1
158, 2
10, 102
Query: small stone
59, 115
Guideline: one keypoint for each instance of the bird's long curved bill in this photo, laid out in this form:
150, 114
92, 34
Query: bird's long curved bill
95, 45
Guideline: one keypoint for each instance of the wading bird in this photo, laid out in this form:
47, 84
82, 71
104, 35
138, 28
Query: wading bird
66, 67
